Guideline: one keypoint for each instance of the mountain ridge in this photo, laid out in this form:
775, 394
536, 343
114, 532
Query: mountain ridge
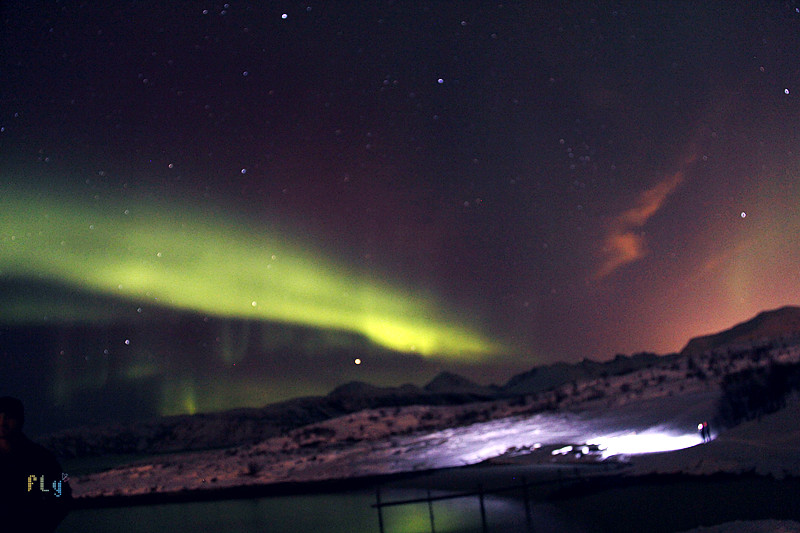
763, 328
550, 387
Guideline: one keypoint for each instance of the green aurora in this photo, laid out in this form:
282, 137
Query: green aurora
206, 260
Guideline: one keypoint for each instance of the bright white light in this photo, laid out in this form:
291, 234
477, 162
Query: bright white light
562, 451
646, 442
570, 432
484, 453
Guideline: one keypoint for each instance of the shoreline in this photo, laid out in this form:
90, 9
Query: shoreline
239, 492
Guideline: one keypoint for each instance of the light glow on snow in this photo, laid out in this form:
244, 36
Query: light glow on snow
562, 451
487, 452
570, 433
634, 443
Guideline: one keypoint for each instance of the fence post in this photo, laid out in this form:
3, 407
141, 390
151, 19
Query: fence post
483, 509
430, 511
528, 518
380, 507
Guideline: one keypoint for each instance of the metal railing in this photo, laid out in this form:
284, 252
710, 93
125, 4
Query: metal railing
480, 493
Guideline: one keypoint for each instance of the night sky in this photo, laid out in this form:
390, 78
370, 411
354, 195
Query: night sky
477, 186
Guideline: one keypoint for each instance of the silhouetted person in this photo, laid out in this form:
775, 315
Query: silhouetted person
705, 431
34, 496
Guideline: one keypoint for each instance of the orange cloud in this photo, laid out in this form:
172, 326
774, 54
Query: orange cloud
620, 249
623, 244
650, 201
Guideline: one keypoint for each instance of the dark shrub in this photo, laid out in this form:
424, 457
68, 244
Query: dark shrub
753, 392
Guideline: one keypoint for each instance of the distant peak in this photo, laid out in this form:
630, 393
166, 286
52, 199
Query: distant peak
773, 324
450, 382
354, 388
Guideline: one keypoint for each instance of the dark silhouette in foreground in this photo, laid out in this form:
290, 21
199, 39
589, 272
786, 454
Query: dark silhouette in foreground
705, 431
34, 493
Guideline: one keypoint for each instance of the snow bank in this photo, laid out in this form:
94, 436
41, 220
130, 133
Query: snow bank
768, 446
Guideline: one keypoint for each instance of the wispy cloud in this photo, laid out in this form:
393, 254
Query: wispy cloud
624, 242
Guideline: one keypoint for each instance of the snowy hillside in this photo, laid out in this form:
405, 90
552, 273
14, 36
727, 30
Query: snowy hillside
648, 405
624, 380
389, 441
406, 439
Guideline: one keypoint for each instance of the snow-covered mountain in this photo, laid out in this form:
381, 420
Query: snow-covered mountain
363, 430
559, 386
769, 327
547, 377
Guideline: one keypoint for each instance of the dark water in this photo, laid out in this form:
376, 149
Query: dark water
319, 513
333, 512
656, 505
